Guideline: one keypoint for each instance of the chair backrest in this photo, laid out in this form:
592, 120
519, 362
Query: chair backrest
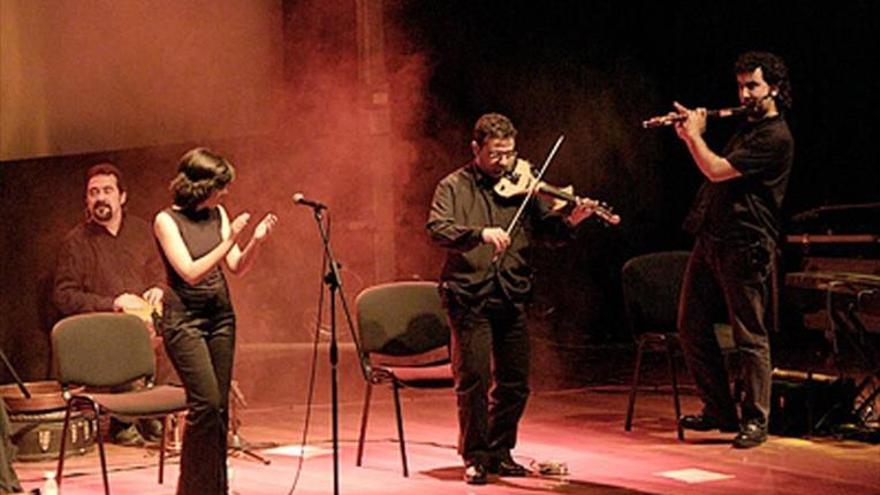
102, 349
651, 288
401, 319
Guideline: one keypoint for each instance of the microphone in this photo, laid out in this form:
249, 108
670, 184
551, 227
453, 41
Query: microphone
300, 199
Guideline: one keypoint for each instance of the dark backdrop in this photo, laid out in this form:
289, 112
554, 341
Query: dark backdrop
595, 70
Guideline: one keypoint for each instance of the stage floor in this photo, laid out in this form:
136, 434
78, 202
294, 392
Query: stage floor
582, 428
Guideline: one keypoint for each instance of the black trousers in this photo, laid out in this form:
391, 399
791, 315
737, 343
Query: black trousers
738, 276
200, 340
490, 363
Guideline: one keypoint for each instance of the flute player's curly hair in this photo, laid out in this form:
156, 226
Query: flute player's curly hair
774, 70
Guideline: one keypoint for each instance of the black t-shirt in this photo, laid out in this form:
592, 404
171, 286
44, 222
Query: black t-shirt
739, 208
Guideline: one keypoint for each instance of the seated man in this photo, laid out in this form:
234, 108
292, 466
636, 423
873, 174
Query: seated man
109, 263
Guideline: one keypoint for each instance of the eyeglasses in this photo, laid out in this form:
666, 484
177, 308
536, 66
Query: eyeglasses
500, 155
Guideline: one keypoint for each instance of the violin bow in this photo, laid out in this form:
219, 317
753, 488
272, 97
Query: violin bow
531, 192
534, 186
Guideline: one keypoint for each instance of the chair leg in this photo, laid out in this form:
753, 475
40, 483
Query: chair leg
64, 431
97, 410
670, 357
396, 389
364, 417
630, 408
165, 421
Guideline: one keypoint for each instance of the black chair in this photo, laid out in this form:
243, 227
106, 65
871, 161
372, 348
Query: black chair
651, 287
107, 352
404, 343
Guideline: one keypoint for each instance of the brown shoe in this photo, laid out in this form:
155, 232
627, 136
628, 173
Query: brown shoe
128, 437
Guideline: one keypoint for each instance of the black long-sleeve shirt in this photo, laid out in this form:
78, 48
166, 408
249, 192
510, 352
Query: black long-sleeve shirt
94, 267
463, 205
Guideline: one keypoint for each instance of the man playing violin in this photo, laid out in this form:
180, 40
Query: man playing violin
485, 285
735, 220
109, 262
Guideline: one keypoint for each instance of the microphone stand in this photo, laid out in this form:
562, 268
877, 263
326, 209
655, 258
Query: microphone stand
333, 280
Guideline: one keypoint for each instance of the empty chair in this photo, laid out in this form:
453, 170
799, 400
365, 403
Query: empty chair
651, 287
106, 352
404, 343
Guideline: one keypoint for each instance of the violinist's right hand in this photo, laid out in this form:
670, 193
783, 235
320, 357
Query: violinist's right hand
497, 237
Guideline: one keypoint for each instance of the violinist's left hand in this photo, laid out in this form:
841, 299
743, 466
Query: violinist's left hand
582, 210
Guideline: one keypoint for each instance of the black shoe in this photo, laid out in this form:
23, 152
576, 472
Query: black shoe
750, 435
476, 474
506, 466
702, 422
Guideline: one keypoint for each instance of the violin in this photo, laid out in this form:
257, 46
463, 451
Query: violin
520, 180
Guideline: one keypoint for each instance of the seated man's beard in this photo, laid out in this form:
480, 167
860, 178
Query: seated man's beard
102, 212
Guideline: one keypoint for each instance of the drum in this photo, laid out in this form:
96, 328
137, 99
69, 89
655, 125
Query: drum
36, 423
